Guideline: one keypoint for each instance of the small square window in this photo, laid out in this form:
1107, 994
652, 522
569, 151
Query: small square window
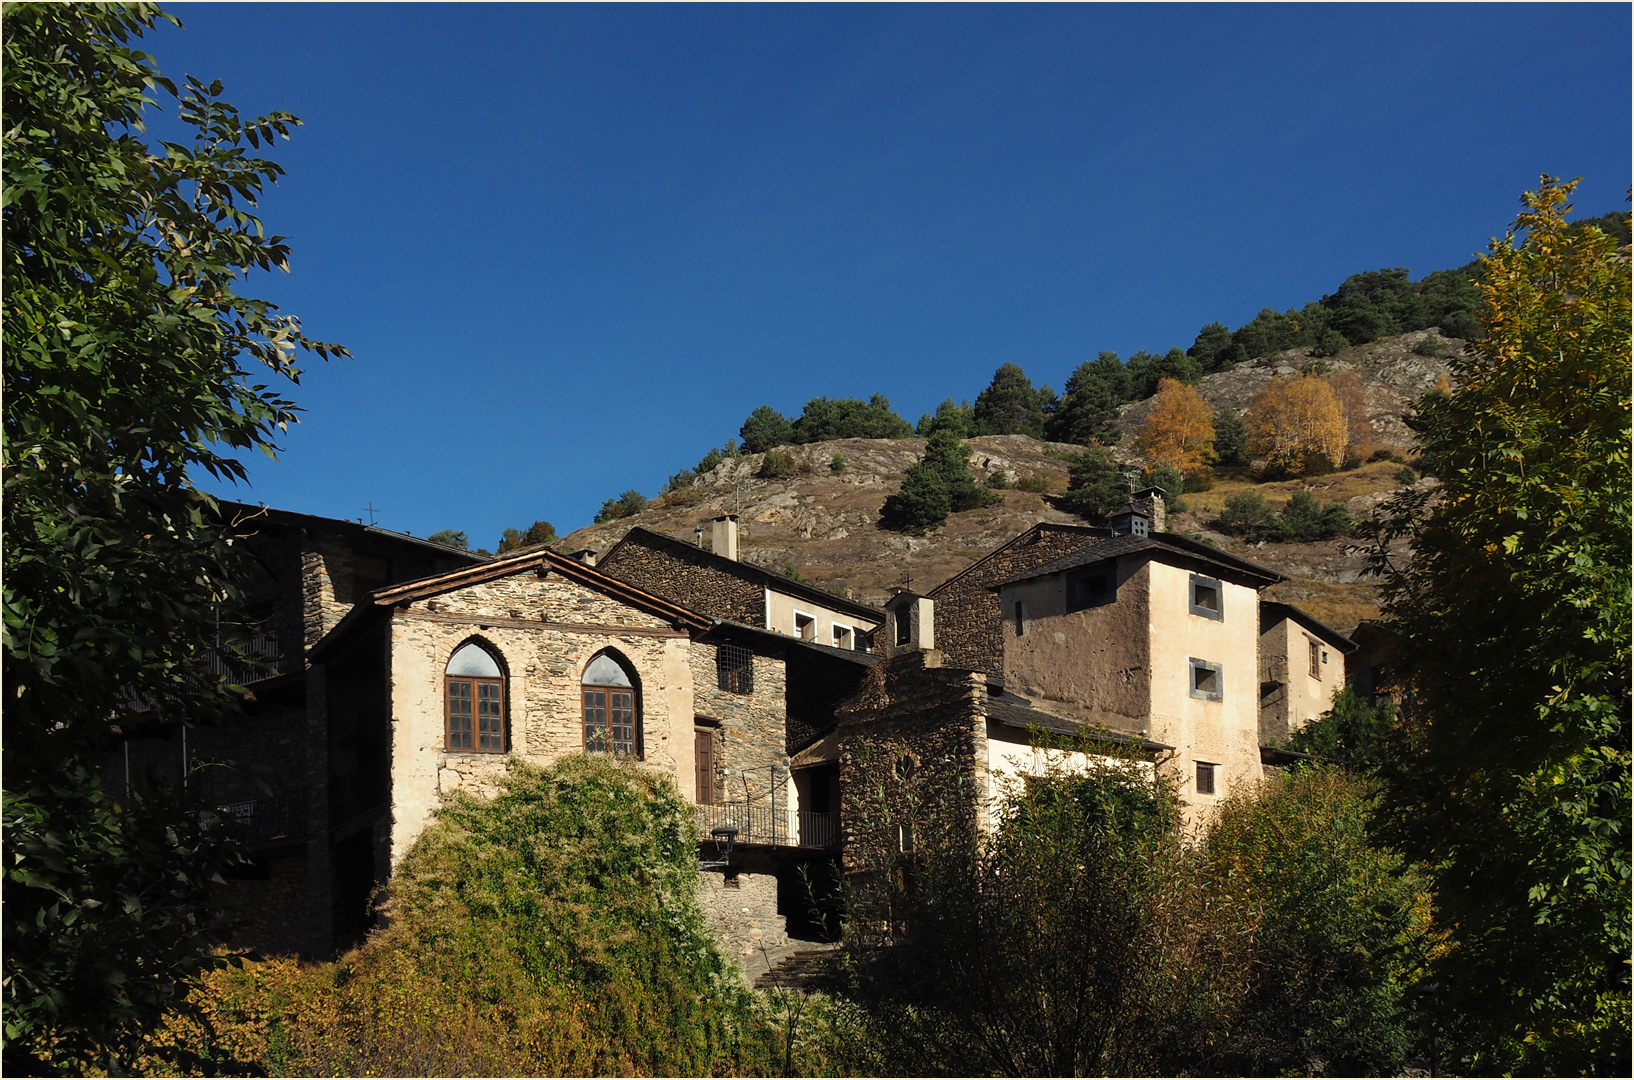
1206, 598
805, 626
1207, 680
1089, 589
842, 636
1205, 778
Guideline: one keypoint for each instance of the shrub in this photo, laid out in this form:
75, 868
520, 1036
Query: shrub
1406, 476
775, 464
836, 464
1304, 519
1200, 480
998, 480
1331, 343
1315, 366
1038, 483
1249, 516
1383, 453
715, 457
1429, 345
552, 930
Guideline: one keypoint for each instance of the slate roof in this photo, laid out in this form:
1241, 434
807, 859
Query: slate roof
1159, 543
1272, 612
1023, 717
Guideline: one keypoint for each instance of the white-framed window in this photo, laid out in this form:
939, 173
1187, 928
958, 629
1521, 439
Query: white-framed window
842, 636
1207, 680
1207, 598
805, 626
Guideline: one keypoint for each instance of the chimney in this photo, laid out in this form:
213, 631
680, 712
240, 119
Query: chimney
910, 622
584, 555
1149, 501
723, 536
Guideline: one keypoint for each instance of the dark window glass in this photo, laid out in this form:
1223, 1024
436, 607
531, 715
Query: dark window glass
1086, 590
459, 714
611, 725
735, 669
1316, 660
1205, 779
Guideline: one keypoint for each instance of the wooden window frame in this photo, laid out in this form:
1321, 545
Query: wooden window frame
631, 749
499, 742
1316, 658
1206, 778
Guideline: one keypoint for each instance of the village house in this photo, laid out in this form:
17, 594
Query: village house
393, 671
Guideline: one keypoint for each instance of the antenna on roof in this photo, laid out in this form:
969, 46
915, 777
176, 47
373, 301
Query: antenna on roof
371, 511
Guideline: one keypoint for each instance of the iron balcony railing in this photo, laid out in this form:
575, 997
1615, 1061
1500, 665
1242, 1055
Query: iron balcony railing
256, 656
764, 824
254, 821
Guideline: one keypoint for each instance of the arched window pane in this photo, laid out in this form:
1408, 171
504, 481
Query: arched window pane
605, 671
475, 661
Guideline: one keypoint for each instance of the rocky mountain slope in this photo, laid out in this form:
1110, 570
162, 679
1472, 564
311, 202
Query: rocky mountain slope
822, 524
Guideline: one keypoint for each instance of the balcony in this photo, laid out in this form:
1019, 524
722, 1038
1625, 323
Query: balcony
260, 821
772, 826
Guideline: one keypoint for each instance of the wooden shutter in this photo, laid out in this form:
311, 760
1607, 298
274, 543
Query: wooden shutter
704, 756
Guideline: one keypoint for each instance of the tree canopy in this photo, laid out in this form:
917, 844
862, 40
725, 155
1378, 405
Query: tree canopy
1510, 775
1012, 405
132, 363
1297, 426
1179, 431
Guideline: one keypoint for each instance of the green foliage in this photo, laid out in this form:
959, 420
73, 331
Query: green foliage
836, 464
1069, 941
707, 464
1511, 776
1331, 343
1230, 440
627, 503
453, 538
1429, 345
1213, 348
1146, 370
775, 464
824, 419
1343, 932
1011, 405
1302, 519
553, 930
1351, 733
937, 485
540, 532
949, 417
764, 429
132, 362
1406, 477
1096, 486
792, 574
1089, 411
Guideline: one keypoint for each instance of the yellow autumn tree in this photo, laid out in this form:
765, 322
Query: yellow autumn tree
1179, 431
1297, 425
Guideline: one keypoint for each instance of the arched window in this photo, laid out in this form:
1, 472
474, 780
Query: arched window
612, 715
475, 695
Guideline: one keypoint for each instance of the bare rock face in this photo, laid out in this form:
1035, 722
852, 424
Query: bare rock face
824, 525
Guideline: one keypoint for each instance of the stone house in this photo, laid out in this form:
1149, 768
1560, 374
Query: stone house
1302, 668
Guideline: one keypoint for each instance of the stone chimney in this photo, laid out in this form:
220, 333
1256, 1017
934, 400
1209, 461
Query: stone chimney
910, 623
1149, 501
723, 536
584, 555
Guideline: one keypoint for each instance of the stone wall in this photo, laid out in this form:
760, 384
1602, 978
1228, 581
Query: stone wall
741, 909
910, 756
695, 581
544, 632
967, 616
750, 729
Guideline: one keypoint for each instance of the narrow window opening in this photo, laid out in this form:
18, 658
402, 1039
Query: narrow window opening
904, 627
1316, 660
1021, 618
805, 627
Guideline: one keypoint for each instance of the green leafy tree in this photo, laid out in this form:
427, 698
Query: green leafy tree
715, 456
627, 503
1096, 486
937, 485
1212, 349
824, 419
452, 538
1230, 439
132, 363
1344, 933
950, 417
1305, 519
540, 532
1511, 775
1249, 516
1011, 405
1089, 411
1351, 733
1170, 481
764, 429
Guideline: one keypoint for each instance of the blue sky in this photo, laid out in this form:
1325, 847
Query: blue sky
572, 247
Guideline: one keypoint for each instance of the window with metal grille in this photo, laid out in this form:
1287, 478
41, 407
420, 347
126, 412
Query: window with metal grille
735, 669
475, 715
1205, 778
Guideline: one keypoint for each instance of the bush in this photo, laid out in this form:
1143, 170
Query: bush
1316, 366
997, 480
836, 464
1303, 519
764, 429
1331, 343
1200, 480
1429, 345
1249, 516
775, 464
1406, 476
553, 930
1383, 453
1036, 482
715, 457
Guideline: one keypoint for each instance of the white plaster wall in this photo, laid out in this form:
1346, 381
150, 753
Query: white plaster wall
780, 609
1224, 732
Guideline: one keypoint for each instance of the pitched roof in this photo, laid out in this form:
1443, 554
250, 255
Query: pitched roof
1024, 717
1272, 612
298, 519
764, 578
383, 600
1158, 544
1088, 532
